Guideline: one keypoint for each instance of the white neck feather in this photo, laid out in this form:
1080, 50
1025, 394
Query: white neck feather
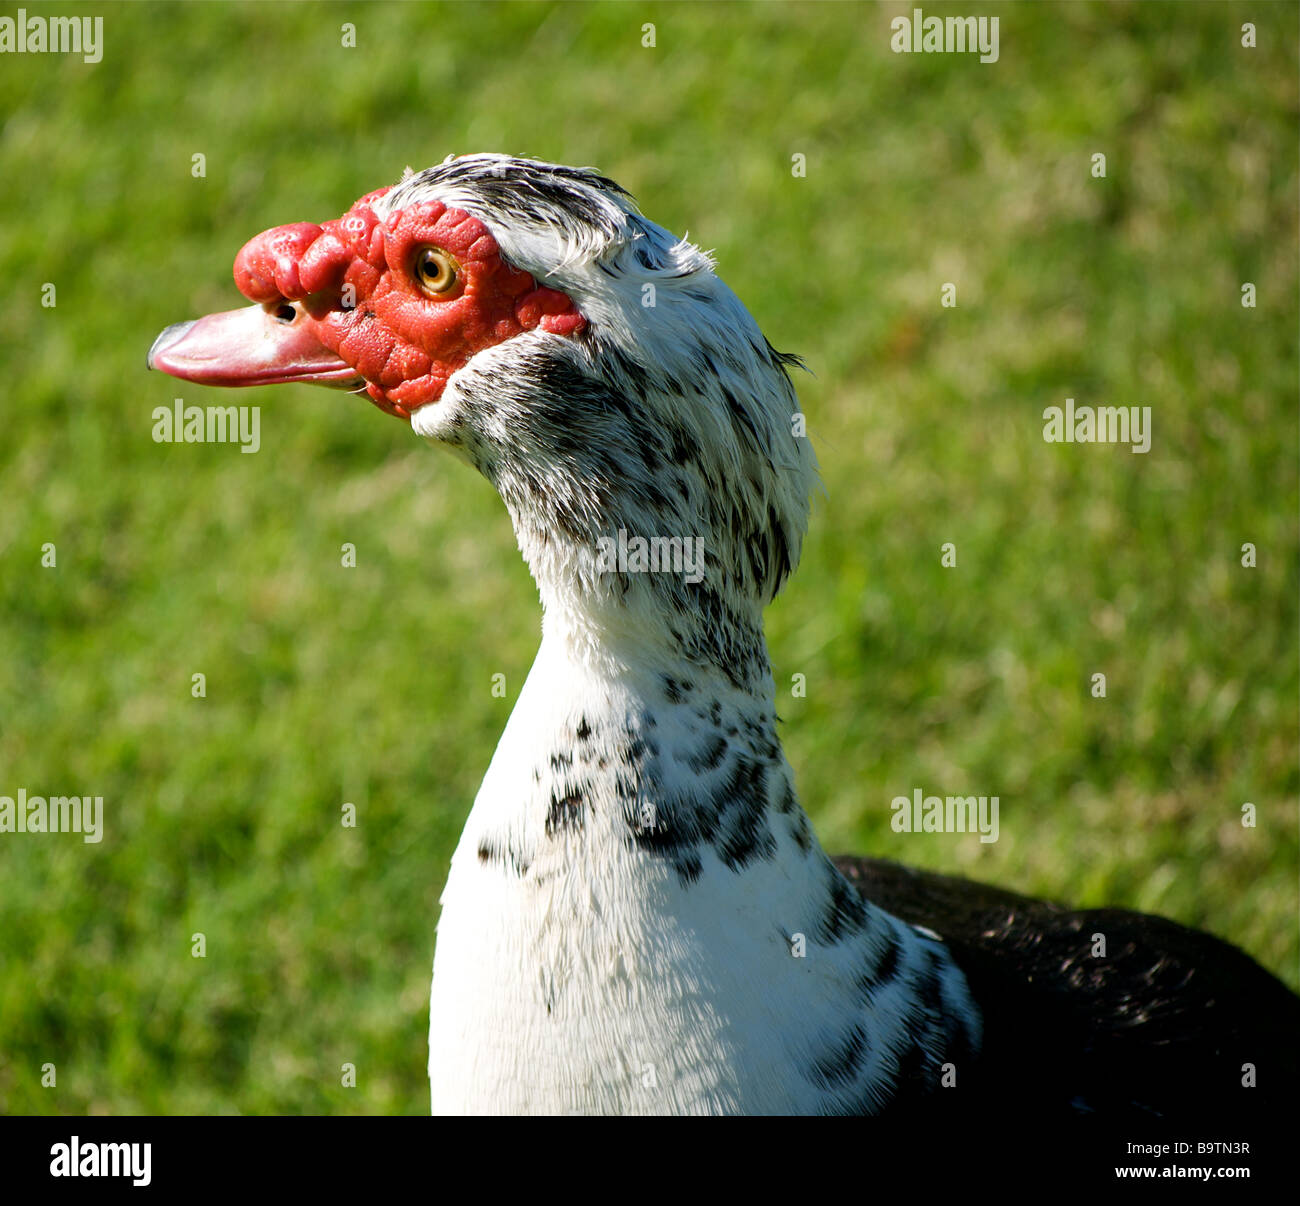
628, 928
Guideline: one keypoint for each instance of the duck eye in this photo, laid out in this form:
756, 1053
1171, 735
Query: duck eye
436, 272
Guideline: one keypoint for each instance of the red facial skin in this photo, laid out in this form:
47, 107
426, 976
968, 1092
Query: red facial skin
404, 343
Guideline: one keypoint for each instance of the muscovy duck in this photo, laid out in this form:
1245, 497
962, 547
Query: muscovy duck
638, 917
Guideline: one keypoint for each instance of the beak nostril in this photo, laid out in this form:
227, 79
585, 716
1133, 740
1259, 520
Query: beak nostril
284, 312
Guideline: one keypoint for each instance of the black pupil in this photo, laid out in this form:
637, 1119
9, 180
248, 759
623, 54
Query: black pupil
432, 265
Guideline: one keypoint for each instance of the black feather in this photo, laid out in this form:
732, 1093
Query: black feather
1160, 1027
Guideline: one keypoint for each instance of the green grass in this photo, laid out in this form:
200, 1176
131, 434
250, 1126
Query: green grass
372, 685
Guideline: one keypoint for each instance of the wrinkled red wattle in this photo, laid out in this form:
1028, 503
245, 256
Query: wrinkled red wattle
403, 343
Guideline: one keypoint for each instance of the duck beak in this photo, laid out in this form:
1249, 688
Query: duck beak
256, 345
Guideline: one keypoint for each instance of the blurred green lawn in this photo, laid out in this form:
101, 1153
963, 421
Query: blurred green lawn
372, 685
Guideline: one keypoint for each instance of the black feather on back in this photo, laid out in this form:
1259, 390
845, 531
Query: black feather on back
1160, 1027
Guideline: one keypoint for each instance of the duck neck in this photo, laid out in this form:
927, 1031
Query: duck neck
618, 740
636, 881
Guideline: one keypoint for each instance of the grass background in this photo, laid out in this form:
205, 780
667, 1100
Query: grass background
372, 685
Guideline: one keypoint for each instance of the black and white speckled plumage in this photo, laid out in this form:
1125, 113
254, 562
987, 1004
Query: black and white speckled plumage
681, 812
656, 780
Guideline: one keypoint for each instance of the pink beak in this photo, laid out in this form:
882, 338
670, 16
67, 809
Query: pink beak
256, 345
